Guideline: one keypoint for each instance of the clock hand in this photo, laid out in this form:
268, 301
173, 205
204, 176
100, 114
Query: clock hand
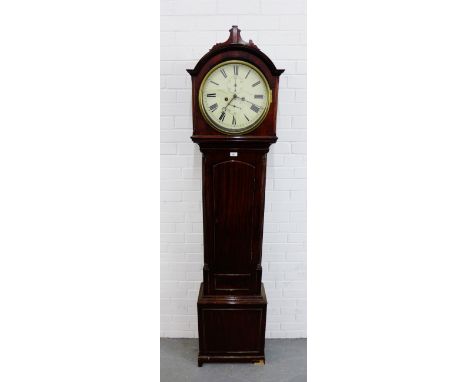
224, 108
243, 99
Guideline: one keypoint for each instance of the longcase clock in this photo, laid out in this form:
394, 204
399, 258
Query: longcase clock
234, 103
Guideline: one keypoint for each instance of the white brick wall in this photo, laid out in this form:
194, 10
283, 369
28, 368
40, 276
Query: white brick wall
189, 29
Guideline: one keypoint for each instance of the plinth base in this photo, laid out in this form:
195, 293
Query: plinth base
231, 328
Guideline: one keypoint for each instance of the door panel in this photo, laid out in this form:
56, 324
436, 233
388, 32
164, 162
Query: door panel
233, 207
231, 330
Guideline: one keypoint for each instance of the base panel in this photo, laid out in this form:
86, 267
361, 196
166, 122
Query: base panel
231, 359
231, 328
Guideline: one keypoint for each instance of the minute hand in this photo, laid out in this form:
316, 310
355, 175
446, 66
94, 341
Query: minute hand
232, 99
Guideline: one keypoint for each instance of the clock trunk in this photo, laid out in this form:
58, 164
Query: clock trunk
233, 206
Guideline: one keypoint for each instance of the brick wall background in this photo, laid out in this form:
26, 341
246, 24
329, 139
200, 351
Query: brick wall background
188, 29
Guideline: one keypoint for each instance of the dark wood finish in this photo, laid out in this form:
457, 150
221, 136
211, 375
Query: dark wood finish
235, 49
232, 302
233, 200
231, 328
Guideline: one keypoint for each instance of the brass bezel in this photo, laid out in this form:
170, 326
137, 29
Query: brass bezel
213, 123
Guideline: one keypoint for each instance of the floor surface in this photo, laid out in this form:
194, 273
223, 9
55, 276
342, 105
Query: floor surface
285, 361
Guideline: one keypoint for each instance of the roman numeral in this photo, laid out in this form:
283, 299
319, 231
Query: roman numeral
221, 117
255, 108
223, 72
258, 96
214, 83
214, 95
234, 120
256, 83
247, 118
214, 107
236, 70
248, 73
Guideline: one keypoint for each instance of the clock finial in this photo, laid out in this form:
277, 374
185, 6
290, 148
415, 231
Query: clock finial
235, 36
235, 42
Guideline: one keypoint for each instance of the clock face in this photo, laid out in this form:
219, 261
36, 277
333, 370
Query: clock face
234, 97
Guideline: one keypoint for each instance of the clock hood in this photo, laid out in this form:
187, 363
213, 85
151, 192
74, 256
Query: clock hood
235, 48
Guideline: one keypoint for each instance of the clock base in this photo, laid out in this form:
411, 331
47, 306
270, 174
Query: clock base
231, 328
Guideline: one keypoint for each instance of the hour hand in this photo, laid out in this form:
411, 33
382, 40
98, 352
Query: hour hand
254, 106
225, 107
232, 99
243, 99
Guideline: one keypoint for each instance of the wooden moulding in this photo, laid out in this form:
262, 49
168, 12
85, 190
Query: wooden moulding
235, 42
231, 328
240, 142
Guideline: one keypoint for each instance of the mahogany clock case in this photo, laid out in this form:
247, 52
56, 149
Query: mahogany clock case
235, 49
232, 302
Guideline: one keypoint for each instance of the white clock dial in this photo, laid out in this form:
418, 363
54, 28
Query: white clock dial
234, 97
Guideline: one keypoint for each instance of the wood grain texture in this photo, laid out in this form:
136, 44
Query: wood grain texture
231, 328
233, 204
235, 49
232, 302
233, 209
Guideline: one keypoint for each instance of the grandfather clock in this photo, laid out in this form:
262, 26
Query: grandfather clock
234, 103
